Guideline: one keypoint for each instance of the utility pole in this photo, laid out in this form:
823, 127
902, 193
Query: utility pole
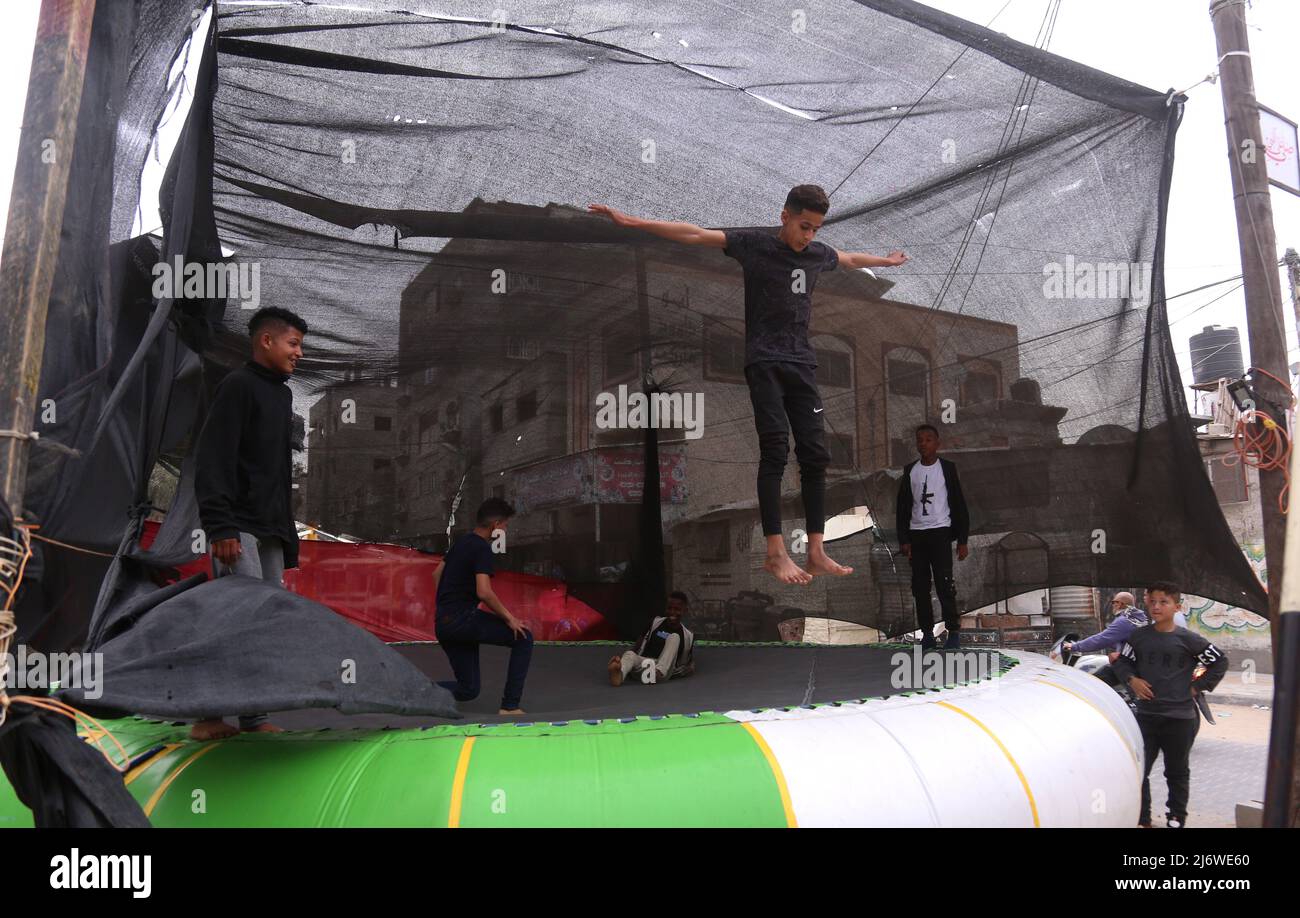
1254, 210
1293, 275
31, 245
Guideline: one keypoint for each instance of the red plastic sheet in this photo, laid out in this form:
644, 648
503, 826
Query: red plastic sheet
388, 590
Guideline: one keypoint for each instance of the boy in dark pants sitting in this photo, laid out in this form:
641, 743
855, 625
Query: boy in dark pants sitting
243, 472
931, 514
780, 273
463, 581
1158, 663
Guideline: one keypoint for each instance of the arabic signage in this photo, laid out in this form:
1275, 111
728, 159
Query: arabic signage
613, 475
1280, 142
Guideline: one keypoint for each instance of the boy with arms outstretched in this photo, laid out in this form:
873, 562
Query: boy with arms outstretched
781, 271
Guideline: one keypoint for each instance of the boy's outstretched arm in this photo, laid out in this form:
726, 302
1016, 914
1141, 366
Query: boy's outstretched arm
687, 233
867, 260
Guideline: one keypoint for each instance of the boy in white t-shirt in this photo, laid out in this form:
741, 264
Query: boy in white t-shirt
931, 515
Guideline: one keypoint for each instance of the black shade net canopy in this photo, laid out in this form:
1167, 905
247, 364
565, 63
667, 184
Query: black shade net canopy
412, 178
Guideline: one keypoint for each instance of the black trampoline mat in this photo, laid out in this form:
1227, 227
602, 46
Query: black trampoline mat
570, 682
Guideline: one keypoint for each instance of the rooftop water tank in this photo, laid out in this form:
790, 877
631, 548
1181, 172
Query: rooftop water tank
1216, 354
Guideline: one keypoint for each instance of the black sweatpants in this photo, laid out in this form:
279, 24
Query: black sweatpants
1172, 736
785, 398
932, 557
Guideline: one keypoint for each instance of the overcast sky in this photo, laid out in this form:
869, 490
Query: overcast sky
1161, 44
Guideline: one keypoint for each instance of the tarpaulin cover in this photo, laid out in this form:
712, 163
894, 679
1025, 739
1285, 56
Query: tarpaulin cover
411, 177
236, 645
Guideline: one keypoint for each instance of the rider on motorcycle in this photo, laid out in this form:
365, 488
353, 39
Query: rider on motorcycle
1127, 619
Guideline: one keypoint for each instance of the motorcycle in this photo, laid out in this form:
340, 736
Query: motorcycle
1092, 664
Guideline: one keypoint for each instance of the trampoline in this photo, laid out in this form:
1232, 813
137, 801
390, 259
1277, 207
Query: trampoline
761, 735
568, 681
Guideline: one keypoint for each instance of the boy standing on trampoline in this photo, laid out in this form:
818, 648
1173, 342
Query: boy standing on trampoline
931, 514
780, 273
243, 473
462, 582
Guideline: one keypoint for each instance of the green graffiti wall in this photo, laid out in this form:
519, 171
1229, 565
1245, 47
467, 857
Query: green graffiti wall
1219, 621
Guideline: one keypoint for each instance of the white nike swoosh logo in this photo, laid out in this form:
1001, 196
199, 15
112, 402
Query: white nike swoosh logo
818, 410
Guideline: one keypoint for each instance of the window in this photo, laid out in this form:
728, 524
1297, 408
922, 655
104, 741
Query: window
526, 406
1229, 481
979, 387
901, 452
714, 540
907, 377
383, 422
496, 418
622, 356
841, 448
522, 348
834, 369
724, 352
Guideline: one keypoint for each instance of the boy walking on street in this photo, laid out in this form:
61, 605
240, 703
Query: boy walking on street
780, 274
1158, 663
244, 471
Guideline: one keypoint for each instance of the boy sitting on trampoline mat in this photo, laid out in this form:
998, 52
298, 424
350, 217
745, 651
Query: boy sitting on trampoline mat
780, 273
462, 582
665, 651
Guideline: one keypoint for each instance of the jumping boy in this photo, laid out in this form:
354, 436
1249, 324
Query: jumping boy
243, 472
931, 514
1158, 663
780, 273
462, 582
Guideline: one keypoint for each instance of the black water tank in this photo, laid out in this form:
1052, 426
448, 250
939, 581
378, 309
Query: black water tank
1216, 354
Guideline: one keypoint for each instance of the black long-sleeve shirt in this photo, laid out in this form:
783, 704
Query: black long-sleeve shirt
244, 468
1166, 659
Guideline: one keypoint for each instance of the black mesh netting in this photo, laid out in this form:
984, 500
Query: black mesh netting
414, 183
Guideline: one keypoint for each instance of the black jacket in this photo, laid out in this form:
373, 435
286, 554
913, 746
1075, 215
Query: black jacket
960, 529
244, 469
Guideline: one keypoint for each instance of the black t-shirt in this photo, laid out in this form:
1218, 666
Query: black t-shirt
1166, 659
458, 587
778, 302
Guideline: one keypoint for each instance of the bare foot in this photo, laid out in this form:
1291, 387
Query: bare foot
615, 671
216, 728
783, 569
511, 711
263, 728
822, 563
